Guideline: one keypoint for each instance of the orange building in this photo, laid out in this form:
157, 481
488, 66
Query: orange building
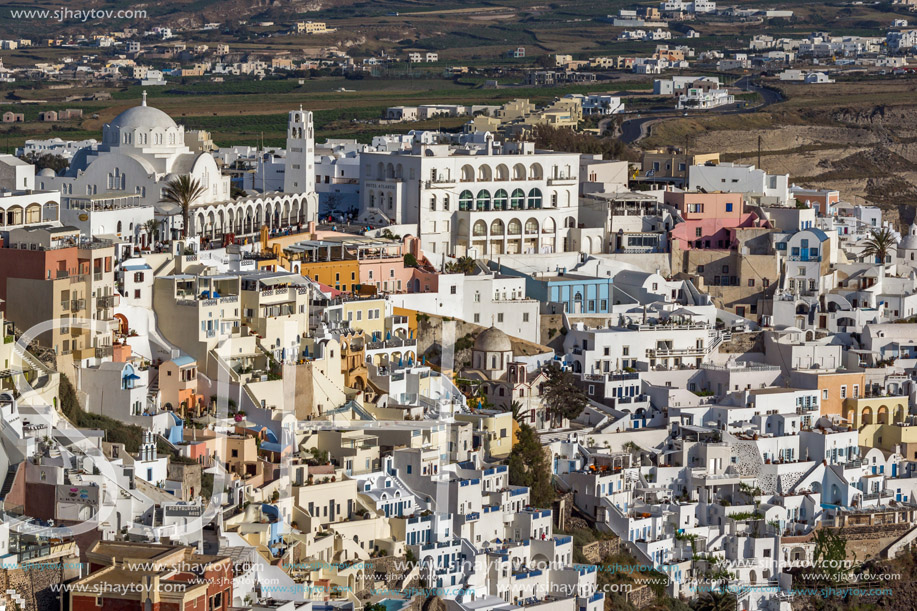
178, 384
834, 388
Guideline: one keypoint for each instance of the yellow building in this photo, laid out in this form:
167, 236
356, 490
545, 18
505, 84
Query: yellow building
874, 410
493, 431
890, 437
311, 27
366, 315
673, 164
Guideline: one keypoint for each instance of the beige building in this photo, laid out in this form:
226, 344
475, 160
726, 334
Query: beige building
197, 313
354, 451
275, 307
50, 274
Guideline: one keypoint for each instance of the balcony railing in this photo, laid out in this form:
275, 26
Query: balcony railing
395, 342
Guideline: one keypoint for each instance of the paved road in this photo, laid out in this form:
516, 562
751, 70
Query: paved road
634, 130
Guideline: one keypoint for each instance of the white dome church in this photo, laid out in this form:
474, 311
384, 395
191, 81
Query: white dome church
142, 149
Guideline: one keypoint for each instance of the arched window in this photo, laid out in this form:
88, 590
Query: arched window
433, 202
465, 200
514, 227
119, 227
517, 201
501, 200
483, 202
531, 226
446, 203
467, 173
480, 228
496, 228
535, 198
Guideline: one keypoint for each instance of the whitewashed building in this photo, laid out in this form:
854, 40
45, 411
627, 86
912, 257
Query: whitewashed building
475, 201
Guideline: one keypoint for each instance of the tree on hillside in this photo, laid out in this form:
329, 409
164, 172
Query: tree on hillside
830, 554
568, 141
879, 243
528, 466
47, 160
561, 396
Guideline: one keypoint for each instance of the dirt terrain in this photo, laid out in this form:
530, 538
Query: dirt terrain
859, 138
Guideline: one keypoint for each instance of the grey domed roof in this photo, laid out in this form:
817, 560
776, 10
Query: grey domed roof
143, 117
493, 340
910, 240
46, 172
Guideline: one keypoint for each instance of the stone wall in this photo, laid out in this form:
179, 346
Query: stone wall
33, 583
190, 477
864, 542
596, 551
640, 596
388, 569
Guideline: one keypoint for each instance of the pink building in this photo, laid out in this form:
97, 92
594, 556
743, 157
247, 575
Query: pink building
710, 219
382, 265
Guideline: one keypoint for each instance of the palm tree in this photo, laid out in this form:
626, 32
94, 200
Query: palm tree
151, 227
879, 243
515, 408
715, 601
462, 265
183, 191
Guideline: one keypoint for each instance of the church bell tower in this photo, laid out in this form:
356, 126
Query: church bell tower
299, 168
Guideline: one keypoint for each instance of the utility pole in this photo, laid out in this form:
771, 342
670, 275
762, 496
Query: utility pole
759, 151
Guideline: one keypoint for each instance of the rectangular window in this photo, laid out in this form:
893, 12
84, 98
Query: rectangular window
844, 392
728, 207
500, 317
751, 282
